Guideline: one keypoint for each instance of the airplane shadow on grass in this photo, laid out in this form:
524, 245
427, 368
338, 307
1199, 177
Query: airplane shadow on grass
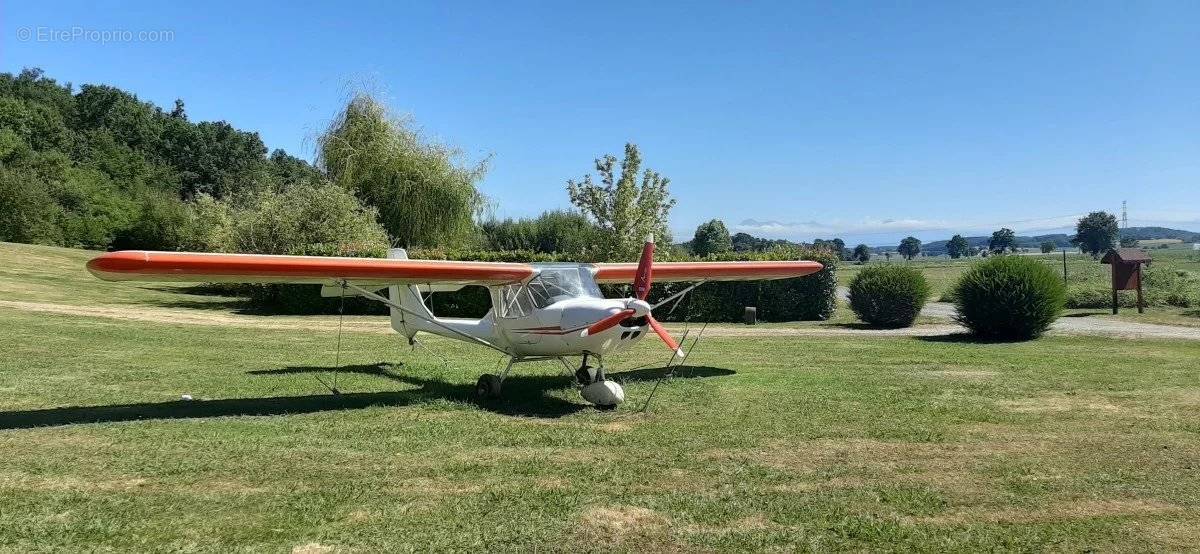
524, 395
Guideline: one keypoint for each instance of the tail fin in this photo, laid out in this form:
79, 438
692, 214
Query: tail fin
409, 297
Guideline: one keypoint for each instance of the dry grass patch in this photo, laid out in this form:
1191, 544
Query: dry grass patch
614, 526
313, 548
363, 324
1060, 403
1055, 512
39, 483
423, 486
956, 374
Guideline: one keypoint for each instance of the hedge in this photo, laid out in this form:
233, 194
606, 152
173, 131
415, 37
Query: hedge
806, 298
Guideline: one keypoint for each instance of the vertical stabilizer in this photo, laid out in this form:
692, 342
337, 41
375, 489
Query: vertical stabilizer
409, 297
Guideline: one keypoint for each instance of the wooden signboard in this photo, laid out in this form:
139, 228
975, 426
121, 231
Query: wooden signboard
1127, 273
1127, 276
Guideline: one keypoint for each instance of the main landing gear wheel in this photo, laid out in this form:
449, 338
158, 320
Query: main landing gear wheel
488, 386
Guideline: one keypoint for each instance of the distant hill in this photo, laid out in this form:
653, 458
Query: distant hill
1062, 240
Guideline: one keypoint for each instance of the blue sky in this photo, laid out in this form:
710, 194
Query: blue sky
868, 121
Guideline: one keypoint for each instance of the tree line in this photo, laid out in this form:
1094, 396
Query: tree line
1095, 234
96, 167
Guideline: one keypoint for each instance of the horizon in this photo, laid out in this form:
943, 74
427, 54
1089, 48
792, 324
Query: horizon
795, 122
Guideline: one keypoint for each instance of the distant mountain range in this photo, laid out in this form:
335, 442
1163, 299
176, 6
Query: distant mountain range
1062, 240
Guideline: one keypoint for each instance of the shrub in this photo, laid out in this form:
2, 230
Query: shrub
888, 295
313, 220
1009, 297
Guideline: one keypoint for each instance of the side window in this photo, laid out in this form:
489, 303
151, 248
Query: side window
515, 301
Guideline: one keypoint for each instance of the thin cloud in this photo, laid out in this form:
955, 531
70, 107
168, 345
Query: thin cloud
778, 229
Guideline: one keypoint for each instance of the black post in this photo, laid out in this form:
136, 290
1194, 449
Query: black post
1141, 304
1114, 285
1065, 266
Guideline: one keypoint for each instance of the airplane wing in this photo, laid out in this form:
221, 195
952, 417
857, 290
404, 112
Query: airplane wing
708, 271
139, 265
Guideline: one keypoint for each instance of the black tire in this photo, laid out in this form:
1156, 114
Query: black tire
583, 377
488, 386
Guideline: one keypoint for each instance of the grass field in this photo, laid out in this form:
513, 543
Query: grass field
823, 443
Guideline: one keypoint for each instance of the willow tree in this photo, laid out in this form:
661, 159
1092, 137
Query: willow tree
424, 191
624, 209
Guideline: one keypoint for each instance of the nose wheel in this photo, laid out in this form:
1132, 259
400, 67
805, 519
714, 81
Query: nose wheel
596, 388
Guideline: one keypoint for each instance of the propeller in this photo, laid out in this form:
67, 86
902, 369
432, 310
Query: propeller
638, 305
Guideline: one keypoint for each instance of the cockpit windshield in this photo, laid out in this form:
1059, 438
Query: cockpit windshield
552, 284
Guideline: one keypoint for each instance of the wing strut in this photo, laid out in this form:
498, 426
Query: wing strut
368, 294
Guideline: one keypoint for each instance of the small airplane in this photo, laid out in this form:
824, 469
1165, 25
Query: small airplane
540, 311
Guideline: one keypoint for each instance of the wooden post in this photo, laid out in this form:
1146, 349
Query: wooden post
1064, 266
1141, 304
1114, 285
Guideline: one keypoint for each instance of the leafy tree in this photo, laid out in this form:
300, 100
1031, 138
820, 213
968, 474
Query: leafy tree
835, 246
909, 247
957, 247
553, 232
1048, 246
214, 158
1128, 242
288, 170
862, 254
626, 211
1096, 233
425, 193
210, 226
30, 213
322, 220
1003, 241
162, 223
744, 242
101, 167
711, 238
839, 248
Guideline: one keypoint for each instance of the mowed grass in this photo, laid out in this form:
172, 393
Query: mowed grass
838, 443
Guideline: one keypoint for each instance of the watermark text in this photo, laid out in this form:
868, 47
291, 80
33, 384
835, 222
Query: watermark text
78, 33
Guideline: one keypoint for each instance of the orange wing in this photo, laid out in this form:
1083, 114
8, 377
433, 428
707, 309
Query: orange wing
710, 271
138, 265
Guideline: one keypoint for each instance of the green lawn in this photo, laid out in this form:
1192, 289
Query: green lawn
823, 443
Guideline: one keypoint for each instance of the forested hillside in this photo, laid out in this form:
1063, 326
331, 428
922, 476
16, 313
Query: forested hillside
97, 167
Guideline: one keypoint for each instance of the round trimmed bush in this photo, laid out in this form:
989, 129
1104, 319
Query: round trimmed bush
1009, 298
888, 295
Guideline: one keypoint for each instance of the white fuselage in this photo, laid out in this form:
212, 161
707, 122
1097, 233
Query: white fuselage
541, 317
